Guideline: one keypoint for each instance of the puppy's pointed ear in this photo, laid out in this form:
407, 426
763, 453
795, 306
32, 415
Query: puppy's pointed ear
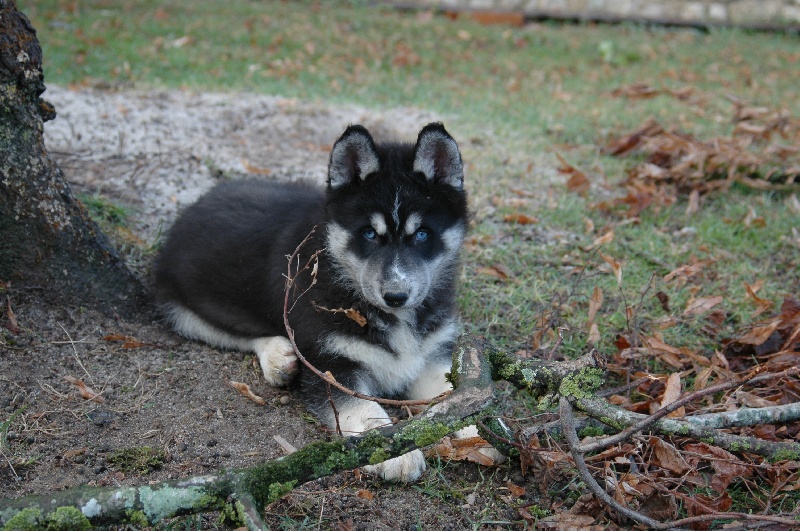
353, 157
436, 155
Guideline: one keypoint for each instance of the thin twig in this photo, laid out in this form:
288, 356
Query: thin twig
335, 411
627, 387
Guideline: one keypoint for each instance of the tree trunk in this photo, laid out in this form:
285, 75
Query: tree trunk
48, 244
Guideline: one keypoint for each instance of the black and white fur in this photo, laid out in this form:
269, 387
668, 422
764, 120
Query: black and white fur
390, 226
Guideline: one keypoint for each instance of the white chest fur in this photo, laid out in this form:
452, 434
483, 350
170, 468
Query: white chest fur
392, 371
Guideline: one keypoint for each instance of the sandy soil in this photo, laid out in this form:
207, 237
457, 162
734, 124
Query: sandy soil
155, 152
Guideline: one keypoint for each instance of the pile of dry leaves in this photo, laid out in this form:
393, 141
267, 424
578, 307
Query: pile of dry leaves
763, 152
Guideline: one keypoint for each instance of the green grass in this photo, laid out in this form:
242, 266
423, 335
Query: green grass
513, 97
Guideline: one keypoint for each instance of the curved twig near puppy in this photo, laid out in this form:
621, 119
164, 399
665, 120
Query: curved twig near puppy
328, 377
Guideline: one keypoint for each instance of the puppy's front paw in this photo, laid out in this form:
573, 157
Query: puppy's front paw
406, 468
277, 359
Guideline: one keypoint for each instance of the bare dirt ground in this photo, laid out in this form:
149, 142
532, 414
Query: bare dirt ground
154, 153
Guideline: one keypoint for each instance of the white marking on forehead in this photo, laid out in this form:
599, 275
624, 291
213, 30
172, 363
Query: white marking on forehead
413, 222
396, 211
378, 223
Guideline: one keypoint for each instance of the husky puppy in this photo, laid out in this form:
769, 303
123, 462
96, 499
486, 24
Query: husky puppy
389, 229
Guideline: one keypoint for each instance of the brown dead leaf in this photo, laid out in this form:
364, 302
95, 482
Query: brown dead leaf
85, 391
667, 456
624, 144
13, 325
516, 490
670, 355
727, 467
760, 333
663, 298
698, 504
245, 390
578, 182
365, 495
608, 237
762, 304
594, 334
568, 521
128, 342
467, 449
687, 271
672, 392
350, 313
498, 271
355, 315
752, 400
249, 168
622, 343
636, 91
520, 219
659, 506
616, 267
69, 454
595, 302
702, 305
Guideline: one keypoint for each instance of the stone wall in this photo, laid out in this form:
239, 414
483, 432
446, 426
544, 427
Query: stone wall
747, 13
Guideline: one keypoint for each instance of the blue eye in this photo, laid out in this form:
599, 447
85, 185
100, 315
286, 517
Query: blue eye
421, 235
370, 234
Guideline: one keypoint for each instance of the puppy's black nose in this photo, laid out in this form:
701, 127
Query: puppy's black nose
395, 299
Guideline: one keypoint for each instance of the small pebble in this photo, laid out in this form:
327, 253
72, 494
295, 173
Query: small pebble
99, 469
182, 447
11, 436
211, 443
284, 400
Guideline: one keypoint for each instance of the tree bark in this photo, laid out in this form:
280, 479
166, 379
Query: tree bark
48, 244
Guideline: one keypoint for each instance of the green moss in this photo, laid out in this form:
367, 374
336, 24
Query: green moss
740, 447
378, 456
338, 461
591, 431
424, 433
26, 519
67, 519
608, 421
62, 519
784, 455
139, 460
537, 512
278, 490
136, 518
307, 463
582, 384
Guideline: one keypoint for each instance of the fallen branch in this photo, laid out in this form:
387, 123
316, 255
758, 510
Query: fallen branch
620, 419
